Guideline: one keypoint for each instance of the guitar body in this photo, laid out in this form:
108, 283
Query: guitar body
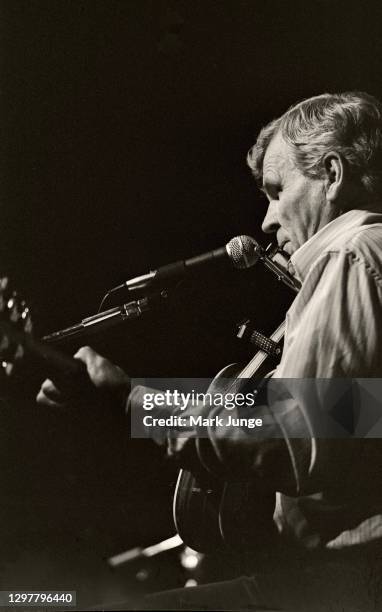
220, 516
212, 515
196, 509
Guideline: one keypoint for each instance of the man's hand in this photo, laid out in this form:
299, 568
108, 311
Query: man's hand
106, 381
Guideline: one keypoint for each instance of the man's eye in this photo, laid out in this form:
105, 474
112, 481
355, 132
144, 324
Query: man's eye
275, 192
272, 190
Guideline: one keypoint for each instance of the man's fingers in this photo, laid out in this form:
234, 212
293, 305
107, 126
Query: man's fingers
106, 382
86, 354
50, 396
95, 364
50, 390
102, 372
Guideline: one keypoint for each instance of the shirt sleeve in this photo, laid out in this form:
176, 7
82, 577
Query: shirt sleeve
333, 338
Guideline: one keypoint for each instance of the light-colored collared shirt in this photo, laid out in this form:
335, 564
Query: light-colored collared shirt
334, 323
334, 332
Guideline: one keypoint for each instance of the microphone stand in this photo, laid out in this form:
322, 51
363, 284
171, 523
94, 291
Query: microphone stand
105, 319
135, 308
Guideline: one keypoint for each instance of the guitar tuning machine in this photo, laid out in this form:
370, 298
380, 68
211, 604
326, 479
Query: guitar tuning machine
7, 367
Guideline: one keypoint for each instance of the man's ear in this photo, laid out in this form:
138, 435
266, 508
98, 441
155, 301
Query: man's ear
334, 169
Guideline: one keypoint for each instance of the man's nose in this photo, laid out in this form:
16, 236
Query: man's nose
270, 224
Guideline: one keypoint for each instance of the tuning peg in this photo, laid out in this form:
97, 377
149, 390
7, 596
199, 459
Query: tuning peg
14, 313
19, 353
4, 343
7, 367
3, 283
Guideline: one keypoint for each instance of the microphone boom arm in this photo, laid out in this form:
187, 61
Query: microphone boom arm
244, 257
101, 320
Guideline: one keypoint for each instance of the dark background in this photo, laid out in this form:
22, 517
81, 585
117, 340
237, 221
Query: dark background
124, 130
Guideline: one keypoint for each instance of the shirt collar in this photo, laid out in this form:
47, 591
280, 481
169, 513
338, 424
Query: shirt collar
326, 238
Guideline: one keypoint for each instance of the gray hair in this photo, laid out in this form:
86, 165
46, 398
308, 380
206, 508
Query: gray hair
349, 123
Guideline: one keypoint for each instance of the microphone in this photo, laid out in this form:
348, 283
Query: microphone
241, 252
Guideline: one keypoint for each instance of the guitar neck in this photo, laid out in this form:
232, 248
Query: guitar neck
57, 361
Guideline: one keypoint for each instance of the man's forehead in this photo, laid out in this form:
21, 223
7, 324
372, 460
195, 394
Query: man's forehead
276, 156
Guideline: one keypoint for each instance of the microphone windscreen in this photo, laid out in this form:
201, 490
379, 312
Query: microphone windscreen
243, 251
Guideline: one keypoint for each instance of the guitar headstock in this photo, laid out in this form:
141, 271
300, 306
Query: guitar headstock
15, 321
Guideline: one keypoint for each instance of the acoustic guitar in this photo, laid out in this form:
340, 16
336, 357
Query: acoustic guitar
211, 514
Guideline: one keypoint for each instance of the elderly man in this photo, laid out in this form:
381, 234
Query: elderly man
320, 166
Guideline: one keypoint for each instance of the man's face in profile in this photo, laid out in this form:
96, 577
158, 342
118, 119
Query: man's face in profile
297, 203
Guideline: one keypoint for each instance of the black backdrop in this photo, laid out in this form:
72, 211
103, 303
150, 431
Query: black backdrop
124, 130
